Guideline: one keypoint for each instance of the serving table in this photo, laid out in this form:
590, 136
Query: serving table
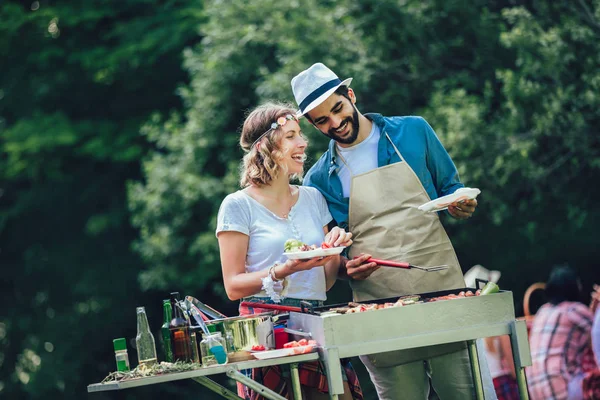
232, 370
425, 323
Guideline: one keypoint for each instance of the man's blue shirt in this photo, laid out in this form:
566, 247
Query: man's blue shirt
418, 144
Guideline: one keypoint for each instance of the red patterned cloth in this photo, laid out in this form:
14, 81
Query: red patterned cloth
506, 388
560, 349
312, 374
591, 385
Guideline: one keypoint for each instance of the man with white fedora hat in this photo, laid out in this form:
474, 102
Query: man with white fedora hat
376, 172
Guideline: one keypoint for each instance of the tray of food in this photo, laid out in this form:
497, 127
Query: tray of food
292, 348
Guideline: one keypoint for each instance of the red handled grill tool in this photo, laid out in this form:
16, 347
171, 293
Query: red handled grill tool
396, 264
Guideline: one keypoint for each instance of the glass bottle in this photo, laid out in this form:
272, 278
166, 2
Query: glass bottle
166, 332
212, 348
195, 354
146, 347
229, 342
120, 346
174, 298
180, 335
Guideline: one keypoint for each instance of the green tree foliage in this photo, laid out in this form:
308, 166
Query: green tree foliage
76, 83
509, 89
237, 65
98, 151
529, 138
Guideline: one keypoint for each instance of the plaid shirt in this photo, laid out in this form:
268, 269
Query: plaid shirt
560, 349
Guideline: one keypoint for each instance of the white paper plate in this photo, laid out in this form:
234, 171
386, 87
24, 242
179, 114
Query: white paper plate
443, 202
303, 255
263, 355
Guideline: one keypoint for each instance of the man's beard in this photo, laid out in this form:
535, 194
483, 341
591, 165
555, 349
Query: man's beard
353, 122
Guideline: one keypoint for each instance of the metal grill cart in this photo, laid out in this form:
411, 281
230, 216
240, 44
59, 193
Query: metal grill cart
416, 325
201, 376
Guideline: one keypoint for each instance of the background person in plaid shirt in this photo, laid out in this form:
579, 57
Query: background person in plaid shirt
591, 382
560, 340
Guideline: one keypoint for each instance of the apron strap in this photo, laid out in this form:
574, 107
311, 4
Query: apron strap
394, 146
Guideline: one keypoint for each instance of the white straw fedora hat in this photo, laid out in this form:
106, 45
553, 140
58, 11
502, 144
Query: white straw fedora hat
314, 85
480, 272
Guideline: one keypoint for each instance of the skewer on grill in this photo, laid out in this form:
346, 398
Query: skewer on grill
396, 264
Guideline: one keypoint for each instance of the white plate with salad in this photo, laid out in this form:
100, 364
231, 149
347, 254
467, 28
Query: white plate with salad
297, 250
301, 255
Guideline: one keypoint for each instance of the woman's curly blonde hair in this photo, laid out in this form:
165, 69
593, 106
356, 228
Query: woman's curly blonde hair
261, 165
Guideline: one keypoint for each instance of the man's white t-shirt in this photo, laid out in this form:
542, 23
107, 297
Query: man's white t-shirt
360, 159
268, 232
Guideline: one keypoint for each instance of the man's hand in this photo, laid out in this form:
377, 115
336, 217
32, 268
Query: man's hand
462, 209
359, 269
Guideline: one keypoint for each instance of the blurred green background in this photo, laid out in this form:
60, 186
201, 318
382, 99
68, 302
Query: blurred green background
119, 123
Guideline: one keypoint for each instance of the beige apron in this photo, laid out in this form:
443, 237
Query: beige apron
385, 222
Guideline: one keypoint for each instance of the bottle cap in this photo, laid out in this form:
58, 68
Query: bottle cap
120, 344
212, 328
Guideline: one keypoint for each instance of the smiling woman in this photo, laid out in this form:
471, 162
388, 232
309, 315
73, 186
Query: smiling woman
254, 223
271, 134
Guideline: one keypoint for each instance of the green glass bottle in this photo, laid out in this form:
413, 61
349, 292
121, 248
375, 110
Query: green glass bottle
165, 331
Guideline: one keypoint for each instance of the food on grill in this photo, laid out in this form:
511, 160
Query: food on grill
490, 288
408, 300
451, 296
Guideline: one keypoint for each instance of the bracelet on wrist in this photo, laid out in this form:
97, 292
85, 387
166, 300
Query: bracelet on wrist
272, 273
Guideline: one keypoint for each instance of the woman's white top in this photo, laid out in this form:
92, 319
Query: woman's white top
267, 234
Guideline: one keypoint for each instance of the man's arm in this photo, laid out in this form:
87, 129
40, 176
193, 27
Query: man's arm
445, 175
318, 177
440, 165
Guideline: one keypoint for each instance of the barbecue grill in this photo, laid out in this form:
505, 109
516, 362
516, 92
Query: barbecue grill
424, 323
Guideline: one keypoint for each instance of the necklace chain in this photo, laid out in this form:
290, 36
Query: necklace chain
291, 203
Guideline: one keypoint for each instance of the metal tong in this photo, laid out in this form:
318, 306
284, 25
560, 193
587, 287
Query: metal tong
396, 264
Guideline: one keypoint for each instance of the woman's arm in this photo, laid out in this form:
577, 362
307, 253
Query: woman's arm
233, 248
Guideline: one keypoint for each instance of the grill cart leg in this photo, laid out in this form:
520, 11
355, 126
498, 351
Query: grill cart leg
257, 387
295, 381
521, 354
331, 360
475, 369
215, 387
